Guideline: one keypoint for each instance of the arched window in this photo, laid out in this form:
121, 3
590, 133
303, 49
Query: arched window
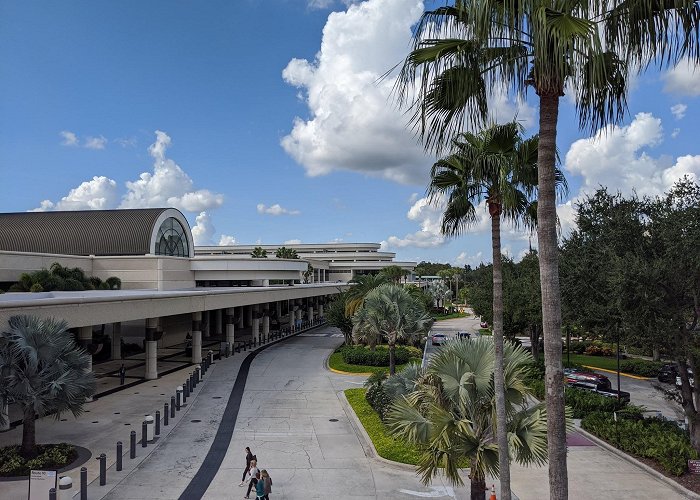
172, 239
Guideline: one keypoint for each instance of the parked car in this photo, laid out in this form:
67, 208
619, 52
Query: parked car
484, 324
438, 338
668, 373
594, 382
691, 380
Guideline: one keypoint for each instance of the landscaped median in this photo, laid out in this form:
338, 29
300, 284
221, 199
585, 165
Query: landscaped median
635, 368
360, 360
387, 447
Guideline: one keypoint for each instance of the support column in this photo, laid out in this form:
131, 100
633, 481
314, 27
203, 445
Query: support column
239, 323
255, 323
230, 329
85, 338
219, 332
151, 345
206, 324
278, 310
196, 337
266, 324
248, 315
292, 316
116, 341
320, 311
310, 313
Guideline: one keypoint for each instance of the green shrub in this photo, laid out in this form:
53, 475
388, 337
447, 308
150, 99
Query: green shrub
650, 438
583, 402
641, 367
51, 456
360, 355
599, 350
378, 400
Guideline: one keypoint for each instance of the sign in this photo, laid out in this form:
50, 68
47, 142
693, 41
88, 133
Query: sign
694, 466
40, 482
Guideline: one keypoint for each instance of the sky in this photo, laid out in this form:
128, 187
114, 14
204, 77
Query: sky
269, 122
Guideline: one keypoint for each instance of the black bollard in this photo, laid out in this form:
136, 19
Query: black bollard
193, 384
83, 483
185, 391
157, 430
120, 454
52, 494
103, 469
166, 414
132, 445
177, 402
144, 437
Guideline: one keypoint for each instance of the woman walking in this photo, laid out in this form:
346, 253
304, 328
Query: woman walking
267, 482
254, 474
248, 457
260, 489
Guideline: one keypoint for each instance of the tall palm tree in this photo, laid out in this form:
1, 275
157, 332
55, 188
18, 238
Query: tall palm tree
259, 253
42, 371
362, 285
450, 414
500, 168
390, 312
286, 253
469, 49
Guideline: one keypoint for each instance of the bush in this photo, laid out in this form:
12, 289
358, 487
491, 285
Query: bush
599, 350
583, 402
51, 456
360, 355
641, 367
650, 438
378, 400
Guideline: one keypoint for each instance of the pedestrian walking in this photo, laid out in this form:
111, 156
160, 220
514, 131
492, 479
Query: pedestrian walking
248, 457
260, 489
267, 482
254, 475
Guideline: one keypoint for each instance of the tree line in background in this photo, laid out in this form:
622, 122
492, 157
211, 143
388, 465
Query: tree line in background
280, 253
60, 278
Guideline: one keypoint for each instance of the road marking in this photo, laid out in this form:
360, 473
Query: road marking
435, 492
613, 371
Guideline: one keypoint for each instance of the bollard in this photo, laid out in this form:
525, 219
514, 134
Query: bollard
103, 469
132, 445
198, 377
185, 391
144, 432
65, 488
83, 483
166, 414
172, 406
192, 382
157, 431
178, 393
52, 494
210, 355
119, 455
149, 428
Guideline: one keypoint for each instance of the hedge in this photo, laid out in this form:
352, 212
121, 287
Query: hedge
650, 438
360, 355
51, 456
641, 367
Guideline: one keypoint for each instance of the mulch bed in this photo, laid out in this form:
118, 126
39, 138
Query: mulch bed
687, 480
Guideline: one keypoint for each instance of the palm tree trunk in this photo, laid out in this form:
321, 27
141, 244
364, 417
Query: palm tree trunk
392, 362
499, 382
551, 297
478, 488
28, 449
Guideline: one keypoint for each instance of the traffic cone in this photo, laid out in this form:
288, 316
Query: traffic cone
493, 492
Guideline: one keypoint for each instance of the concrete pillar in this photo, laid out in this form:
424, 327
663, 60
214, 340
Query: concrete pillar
85, 338
219, 332
116, 341
255, 323
292, 316
239, 322
265, 282
320, 310
151, 344
266, 325
206, 324
248, 315
310, 314
230, 329
196, 337
278, 310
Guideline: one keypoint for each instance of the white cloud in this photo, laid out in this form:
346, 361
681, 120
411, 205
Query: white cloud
126, 142
227, 240
676, 132
69, 138
95, 142
682, 79
319, 4
203, 230
167, 185
292, 242
473, 260
429, 217
99, 193
679, 110
275, 210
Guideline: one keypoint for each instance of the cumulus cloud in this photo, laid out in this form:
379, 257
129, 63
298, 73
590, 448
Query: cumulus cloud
203, 229
167, 185
69, 138
464, 259
275, 210
95, 142
682, 79
227, 240
428, 216
679, 110
100, 193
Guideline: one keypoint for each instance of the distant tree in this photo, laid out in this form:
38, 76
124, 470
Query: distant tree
259, 253
335, 315
43, 372
394, 273
308, 273
430, 268
286, 253
60, 278
440, 293
421, 296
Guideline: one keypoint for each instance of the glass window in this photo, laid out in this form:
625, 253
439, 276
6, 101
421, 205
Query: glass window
172, 239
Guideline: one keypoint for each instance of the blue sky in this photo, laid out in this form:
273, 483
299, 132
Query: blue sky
264, 121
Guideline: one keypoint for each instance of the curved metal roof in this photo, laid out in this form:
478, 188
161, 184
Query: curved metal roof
82, 232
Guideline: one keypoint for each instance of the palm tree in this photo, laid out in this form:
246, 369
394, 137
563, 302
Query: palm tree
42, 371
450, 414
500, 168
286, 253
259, 253
362, 285
466, 51
440, 293
394, 273
391, 313
335, 315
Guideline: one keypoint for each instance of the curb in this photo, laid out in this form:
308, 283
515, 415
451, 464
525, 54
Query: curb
637, 377
341, 372
365, 440
679, 488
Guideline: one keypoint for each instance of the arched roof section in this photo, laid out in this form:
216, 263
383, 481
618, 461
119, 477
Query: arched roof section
89, 232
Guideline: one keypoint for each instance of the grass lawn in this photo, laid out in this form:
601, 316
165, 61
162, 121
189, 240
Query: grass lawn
336, 362
597, 361
386, 446
485, 331
441, 317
